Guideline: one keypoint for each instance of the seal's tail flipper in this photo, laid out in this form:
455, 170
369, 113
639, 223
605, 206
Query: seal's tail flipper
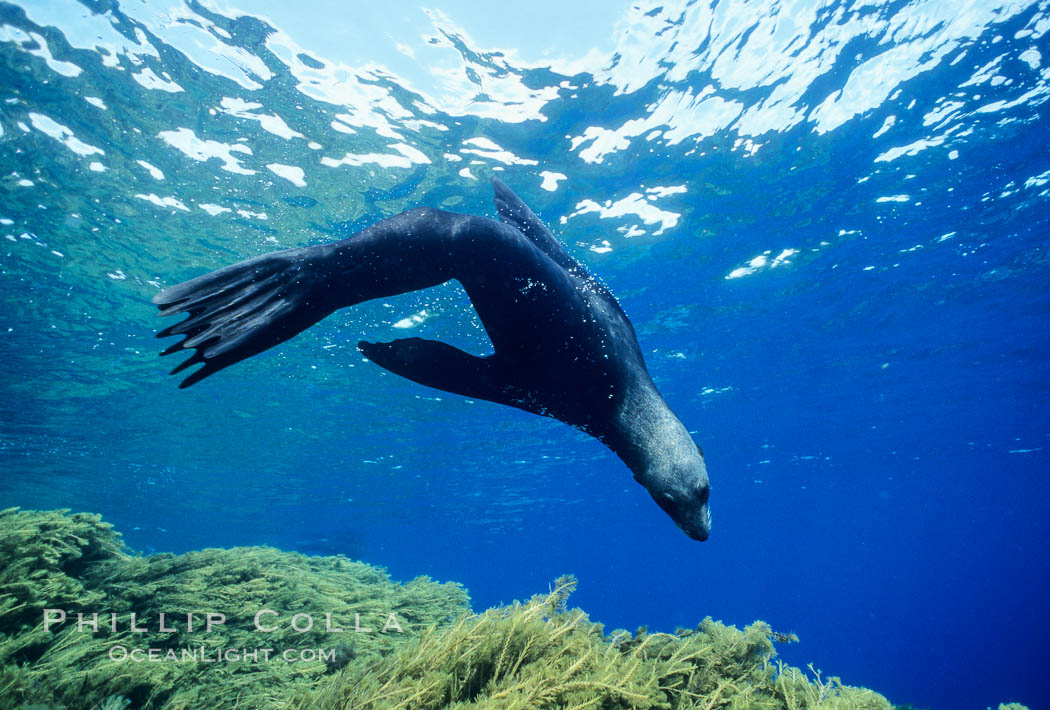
239, 311
437, 365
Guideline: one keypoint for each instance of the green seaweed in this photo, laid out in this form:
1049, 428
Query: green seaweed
541, 655
528, 655
77, 563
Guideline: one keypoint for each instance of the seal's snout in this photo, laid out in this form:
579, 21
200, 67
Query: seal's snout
690, 514
701, 527
695, 515
695, 521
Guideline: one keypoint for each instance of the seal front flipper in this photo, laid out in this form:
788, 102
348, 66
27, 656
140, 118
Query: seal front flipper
513, 211
438, 365
241, 310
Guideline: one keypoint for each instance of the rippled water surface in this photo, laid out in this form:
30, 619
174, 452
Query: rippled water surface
828, 222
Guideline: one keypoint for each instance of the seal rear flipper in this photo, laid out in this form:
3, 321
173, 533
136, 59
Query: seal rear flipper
240, 310
437, 365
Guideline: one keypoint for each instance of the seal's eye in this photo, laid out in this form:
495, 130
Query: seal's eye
703, 494
699, 450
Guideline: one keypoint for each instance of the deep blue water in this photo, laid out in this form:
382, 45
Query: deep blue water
828, 222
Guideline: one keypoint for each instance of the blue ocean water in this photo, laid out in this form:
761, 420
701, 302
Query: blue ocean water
828, 222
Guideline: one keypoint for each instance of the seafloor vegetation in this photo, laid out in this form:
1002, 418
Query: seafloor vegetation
77, 563
537, 654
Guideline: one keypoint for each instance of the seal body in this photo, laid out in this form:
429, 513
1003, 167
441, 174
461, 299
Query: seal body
562, 345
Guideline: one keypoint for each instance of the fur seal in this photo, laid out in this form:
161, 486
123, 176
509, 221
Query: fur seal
563, 347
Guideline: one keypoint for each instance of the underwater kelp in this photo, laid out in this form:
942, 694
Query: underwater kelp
529, 656
77, 563
542, 655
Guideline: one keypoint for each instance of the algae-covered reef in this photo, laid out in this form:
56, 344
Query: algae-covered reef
541, 654
537, 654
78, 564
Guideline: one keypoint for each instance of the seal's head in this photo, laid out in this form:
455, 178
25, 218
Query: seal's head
681, 488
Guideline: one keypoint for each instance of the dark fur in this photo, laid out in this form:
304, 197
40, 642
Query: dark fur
562, 345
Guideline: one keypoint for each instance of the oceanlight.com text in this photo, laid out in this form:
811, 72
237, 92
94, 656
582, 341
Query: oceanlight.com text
200, 654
